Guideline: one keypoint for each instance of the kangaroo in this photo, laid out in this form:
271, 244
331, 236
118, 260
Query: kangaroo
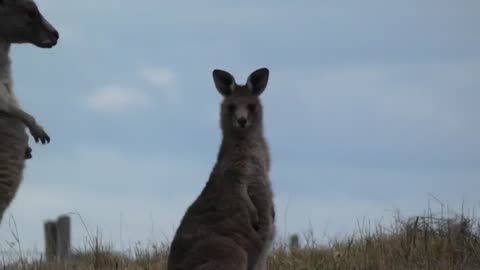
231, 223
20, 22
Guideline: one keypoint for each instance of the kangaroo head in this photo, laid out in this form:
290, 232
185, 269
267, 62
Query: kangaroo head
241, 109
22, 22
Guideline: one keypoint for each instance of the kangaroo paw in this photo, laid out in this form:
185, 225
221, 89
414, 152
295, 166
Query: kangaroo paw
40, 135
28, 152
255, 220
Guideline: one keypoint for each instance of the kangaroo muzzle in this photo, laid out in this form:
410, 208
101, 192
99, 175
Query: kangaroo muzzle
48, 35
241, 116
242, 122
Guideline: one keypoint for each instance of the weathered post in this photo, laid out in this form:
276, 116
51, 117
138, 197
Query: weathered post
57, 239
294, 242
63, 237
50, 240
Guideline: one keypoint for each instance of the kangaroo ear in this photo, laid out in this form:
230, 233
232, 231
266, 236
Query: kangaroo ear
257, 81
224, 82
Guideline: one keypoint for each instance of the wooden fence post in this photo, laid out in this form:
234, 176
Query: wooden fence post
63, 237
57, 239
294, 242
50, 240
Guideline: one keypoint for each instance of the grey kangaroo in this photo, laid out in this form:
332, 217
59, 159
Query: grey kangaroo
231, 224
20, 22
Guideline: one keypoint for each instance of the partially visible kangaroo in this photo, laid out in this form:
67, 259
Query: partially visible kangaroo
231, 224
20, 22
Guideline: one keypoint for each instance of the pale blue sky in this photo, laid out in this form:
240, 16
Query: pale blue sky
371, 106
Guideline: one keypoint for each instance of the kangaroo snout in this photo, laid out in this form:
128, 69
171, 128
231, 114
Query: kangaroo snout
48, 43
50, 35
56, 34
242, 122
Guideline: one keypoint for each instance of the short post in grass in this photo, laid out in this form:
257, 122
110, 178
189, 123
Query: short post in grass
57, 239
294, 242
63, 237
50, 228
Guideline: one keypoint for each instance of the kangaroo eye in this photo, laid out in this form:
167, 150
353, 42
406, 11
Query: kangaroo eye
231, 108
252, 107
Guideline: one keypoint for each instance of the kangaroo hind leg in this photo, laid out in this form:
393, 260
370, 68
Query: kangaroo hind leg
217, 253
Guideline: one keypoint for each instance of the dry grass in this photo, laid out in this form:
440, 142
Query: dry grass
426, 242
417, 243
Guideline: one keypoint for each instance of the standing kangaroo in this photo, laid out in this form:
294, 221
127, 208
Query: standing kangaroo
20, 22
231, 224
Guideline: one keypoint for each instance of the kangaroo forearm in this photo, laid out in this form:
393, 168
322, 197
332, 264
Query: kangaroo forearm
250, 205
263, 204
15, 112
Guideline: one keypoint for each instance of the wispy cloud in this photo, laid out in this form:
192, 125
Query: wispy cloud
404, 93
117, 99
162, 79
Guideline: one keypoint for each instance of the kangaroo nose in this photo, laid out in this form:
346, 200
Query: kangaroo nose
242, 121
56, 34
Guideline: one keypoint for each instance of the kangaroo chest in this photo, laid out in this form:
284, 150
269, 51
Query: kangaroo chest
6, 83
13, 138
